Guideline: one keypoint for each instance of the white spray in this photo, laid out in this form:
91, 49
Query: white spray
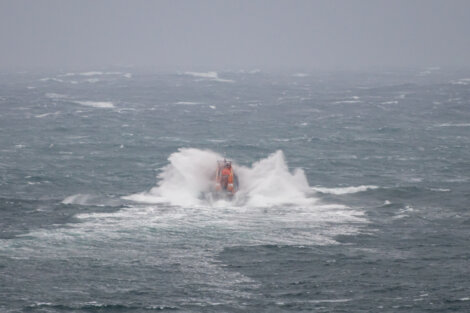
190, 172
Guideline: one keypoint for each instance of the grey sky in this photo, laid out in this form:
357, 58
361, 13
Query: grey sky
235, 34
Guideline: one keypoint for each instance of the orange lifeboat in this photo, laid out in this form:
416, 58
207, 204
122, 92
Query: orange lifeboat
226, 181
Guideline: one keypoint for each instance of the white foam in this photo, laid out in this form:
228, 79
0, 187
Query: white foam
209, 75
187, 103
329, 301
462, 81
183, 180
92, 80
454, 125
46, 79
301, 75
47, 114
52, 95
92, 73
274, 206
96, 104
94, 200
347, 101
440, 189
268, 182
344, 190
81, 199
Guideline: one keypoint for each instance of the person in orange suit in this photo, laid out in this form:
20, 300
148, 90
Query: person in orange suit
226, 172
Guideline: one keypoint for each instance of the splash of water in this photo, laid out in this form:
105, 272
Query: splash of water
268, 182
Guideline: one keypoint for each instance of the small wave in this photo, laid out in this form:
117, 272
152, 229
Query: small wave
92, 73
440, 189
209, 75
46, 79
347, 101
187, 103
94, 200
47, 114
96, 104
92, 80
301, 75
454, 125
55, 96
96, 73
217, 140
463, 81
344, 190
101, 307
81, 199
253, 71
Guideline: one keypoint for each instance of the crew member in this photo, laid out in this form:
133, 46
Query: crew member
226, 172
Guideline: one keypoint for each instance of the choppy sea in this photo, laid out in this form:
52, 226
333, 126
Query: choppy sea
354, 191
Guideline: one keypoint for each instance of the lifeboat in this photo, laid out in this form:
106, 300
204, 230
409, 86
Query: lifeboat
226, 181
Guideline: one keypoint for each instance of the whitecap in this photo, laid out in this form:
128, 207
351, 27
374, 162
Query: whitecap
92, 73
462, 81
187, 103
96, 104
347, 101
81, 199
344, 190
46, 79
454, 125
92, 80
47, 114
214, 76
55, 96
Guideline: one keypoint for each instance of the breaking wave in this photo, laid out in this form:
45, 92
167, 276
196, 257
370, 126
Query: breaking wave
96, 104
209, 76
188, 179
344, 190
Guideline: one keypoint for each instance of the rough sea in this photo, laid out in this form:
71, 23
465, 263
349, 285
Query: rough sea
354, 191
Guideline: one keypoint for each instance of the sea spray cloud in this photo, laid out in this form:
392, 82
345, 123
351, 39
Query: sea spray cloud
189, 176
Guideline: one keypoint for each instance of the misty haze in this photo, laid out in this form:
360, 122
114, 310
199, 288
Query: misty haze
234, 156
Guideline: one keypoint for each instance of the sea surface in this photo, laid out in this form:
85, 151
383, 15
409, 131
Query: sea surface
354, 191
